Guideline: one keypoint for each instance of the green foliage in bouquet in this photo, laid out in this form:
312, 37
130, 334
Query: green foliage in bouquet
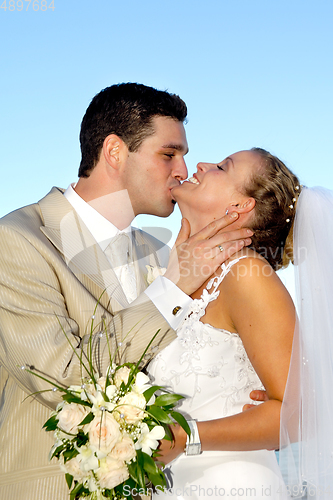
107, 429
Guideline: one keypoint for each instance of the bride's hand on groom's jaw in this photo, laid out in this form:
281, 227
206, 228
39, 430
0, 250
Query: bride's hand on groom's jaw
195, 258
257, 395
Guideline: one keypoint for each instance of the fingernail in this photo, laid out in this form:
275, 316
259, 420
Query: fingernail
234, 215
250, 232
247, 241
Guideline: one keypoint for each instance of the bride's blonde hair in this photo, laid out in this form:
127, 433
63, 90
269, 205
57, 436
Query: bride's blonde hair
275, 189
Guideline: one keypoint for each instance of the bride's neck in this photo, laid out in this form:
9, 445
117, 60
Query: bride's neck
197, 223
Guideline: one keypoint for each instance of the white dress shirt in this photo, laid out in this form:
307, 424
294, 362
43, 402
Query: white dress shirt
171, 302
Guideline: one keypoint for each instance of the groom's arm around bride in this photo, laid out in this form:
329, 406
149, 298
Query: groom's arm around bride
60, 271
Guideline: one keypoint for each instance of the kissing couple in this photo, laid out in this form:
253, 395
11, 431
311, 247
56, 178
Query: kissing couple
226, 321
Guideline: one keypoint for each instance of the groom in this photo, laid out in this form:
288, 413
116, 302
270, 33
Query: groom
73, 260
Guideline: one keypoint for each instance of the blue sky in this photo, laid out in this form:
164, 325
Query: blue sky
253, 73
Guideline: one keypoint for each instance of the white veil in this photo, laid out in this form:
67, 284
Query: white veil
307, 412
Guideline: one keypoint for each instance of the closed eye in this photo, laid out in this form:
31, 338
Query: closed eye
220, 167
171, 155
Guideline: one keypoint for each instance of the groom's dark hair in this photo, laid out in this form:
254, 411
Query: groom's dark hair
127, 110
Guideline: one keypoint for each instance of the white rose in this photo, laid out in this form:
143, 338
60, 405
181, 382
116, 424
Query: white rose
71, 416
121, 375
132, 406
103, 433
72, 467
111, 472
153, 273
124, 450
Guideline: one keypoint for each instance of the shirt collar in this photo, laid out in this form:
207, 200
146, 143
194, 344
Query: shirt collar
102, 229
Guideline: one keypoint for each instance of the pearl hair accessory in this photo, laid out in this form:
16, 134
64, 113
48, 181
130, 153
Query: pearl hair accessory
297, 188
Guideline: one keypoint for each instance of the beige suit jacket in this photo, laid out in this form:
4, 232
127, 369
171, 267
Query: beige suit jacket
53, 278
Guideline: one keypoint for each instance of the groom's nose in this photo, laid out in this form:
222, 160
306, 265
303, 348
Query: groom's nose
179, 170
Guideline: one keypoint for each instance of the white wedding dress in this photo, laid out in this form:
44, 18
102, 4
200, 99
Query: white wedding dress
210, 367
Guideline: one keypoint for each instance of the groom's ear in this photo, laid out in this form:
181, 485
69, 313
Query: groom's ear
113, 150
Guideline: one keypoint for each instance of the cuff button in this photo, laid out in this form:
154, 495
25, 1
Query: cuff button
176, 310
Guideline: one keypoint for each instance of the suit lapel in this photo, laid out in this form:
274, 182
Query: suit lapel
83, 256
144, 255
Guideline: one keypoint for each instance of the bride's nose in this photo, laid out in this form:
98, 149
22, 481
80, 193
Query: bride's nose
204, 167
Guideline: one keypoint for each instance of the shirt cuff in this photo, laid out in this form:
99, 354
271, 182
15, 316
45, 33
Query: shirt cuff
171, 302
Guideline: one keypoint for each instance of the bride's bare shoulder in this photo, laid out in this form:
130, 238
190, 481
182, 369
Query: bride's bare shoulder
251, 274
248, 261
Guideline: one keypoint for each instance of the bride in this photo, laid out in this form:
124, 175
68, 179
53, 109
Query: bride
237, 336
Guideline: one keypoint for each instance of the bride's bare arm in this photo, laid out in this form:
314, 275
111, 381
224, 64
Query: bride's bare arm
260, 309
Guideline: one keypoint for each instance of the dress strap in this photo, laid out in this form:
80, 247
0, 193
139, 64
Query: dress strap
215, 282
198, 306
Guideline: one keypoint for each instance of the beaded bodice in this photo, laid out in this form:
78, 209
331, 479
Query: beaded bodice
208, 365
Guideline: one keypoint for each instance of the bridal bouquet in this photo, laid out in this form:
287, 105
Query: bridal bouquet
107, 431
